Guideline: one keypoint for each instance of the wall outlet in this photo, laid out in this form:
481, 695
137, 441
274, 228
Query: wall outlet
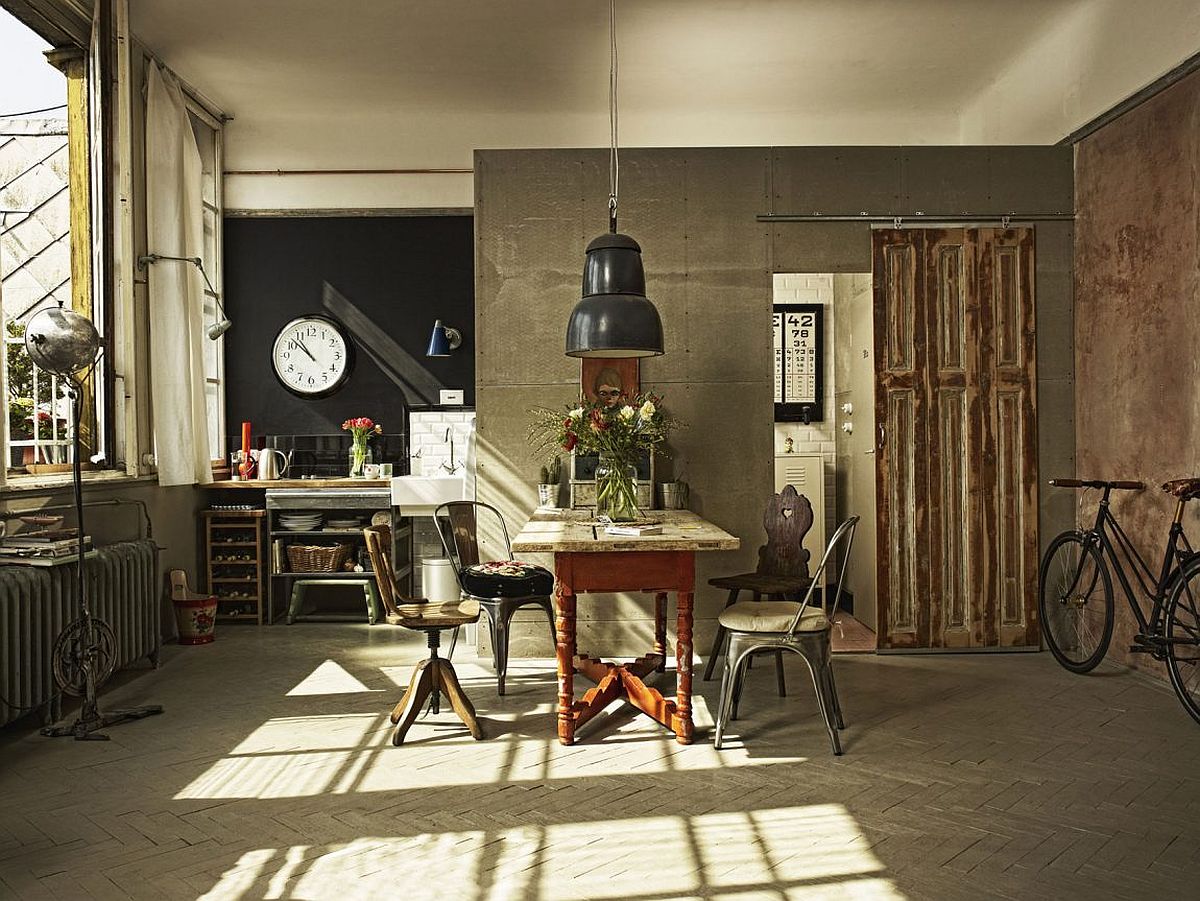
450, 397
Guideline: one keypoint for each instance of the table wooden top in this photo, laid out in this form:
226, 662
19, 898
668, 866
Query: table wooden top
570, 531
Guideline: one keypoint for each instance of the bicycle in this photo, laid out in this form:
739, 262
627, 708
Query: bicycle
1075, 599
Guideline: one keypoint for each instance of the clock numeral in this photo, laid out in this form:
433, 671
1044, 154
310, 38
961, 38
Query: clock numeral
337, 354
333, 342
287, 354
291, 368
332, 368
324, 376
312, 331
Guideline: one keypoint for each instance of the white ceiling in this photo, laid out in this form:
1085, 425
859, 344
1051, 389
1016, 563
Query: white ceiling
372, 83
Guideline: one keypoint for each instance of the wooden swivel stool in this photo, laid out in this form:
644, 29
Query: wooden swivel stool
782, 572
435, 675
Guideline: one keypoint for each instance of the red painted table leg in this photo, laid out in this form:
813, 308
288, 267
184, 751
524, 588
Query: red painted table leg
564, 625
660, 628
683, 725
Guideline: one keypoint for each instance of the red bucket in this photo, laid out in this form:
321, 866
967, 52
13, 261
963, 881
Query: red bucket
197, 619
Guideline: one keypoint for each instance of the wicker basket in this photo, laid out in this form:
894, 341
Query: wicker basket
317, 558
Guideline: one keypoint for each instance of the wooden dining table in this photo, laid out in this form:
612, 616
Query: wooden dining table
588, 560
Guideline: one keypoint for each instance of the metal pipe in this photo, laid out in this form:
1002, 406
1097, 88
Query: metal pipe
349, 171
898, 218
108, 502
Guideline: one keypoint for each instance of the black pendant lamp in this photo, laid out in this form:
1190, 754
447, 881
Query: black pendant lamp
614, 318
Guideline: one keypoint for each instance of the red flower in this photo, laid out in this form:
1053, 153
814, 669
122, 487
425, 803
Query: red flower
572, 440
598, 422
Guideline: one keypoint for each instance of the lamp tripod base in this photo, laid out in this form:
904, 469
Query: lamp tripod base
91, 720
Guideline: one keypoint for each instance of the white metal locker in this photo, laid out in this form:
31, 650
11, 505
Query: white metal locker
806, 473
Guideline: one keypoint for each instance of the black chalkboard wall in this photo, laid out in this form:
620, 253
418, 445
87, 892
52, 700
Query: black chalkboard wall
400, 273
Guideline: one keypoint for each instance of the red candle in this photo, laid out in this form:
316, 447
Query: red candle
247, 463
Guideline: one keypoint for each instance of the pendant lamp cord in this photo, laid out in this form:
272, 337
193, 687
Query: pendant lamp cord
614, 165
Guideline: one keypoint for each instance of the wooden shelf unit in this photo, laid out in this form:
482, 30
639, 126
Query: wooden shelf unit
224, 531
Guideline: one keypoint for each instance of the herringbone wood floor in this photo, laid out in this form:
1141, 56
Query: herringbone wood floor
271, 776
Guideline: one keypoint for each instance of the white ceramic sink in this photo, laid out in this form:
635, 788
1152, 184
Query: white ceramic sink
421, 495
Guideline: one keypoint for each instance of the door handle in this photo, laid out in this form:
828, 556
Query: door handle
882, 436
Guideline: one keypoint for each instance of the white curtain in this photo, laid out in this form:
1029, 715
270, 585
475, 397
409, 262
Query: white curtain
175, 227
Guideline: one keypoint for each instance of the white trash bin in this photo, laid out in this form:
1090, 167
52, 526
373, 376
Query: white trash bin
438, 582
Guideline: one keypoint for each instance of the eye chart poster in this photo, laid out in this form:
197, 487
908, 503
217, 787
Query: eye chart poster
797, 346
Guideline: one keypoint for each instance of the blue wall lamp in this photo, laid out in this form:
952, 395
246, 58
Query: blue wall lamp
443, 340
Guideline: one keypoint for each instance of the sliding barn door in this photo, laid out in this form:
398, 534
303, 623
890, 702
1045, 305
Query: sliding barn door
956, 449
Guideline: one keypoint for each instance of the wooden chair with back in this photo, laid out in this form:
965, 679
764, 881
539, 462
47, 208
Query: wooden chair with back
434, 676
782, 572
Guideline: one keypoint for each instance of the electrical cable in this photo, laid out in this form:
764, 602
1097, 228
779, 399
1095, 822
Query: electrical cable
32, 111
614, 163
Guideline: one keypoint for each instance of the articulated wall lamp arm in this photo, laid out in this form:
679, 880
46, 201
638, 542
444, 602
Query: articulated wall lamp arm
217, 329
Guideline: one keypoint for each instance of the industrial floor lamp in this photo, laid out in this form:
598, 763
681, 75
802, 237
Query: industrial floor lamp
67, 345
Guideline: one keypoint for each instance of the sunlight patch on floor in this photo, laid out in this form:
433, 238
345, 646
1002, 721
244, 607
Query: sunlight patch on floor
330, 678
814, 851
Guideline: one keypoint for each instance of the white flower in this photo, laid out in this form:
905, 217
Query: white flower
626, 413
647, 410
577, 413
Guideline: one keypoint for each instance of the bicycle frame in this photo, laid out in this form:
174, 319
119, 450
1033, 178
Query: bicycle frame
1178, 551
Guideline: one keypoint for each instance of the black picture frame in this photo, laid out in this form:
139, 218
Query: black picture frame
789, 410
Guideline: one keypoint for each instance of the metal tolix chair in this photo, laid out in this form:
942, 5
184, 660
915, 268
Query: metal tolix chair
803, 628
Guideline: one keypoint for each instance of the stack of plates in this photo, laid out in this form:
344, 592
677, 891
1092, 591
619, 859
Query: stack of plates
344, 523
300, 522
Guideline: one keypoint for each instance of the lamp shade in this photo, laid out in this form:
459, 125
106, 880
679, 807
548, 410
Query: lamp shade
61, 341
614, 318
443, 340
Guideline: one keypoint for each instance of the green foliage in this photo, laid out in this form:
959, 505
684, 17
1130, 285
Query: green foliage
21, 402
551, 471
619, 431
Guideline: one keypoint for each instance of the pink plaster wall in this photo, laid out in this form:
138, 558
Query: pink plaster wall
1137, 317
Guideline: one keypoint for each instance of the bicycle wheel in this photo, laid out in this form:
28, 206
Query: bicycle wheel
1075, 602
1183, 640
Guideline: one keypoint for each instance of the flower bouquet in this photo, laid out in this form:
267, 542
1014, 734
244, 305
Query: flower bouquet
616, 432
360, 429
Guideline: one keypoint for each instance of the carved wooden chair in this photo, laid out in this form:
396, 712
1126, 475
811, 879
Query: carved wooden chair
782, 571
803, 628
434, 676
502, 587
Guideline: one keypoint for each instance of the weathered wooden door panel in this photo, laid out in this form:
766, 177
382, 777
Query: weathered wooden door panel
956, 460
900, 359
1005, 259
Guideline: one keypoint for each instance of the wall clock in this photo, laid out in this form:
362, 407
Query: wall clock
312, 356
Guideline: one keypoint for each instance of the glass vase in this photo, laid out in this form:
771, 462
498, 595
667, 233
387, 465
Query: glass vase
616, 489
360, 456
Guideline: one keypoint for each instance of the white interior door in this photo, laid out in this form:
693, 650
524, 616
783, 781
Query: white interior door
860, 477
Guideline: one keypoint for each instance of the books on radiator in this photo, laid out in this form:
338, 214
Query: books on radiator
49, 544
42, 559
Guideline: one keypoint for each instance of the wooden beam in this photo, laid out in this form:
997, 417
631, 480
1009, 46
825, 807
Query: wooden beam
73, 64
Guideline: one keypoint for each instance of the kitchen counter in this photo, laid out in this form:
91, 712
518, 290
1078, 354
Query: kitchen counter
299, 483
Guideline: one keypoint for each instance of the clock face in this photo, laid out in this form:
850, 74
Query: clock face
312, 356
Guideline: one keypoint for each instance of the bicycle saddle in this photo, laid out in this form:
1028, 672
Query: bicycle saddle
1184, 489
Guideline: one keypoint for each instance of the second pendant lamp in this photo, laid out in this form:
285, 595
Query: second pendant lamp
614, 318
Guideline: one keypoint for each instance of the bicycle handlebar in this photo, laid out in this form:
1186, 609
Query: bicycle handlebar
1097, 483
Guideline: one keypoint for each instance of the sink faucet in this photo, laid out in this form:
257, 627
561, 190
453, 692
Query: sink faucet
451, 467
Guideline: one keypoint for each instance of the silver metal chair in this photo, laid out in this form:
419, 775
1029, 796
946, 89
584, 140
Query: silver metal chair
789, 626
501, 587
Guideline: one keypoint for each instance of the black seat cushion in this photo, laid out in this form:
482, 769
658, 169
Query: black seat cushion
506, 579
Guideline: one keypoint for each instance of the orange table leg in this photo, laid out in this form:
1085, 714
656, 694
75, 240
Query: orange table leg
660, 629
564, 625
683, 725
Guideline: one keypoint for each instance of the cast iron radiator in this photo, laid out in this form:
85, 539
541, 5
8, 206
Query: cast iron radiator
37, 602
